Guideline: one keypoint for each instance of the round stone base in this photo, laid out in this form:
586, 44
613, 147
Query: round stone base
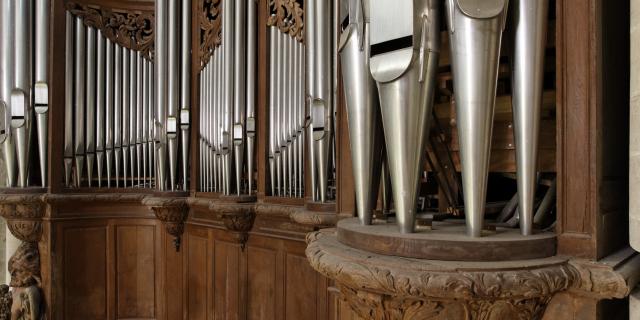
446, 241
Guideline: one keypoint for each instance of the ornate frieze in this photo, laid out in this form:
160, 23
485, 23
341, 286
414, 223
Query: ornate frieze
24, 215
130, 29
288, 16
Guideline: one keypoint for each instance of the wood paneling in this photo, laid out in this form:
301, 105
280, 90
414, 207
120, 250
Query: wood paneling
85, 273
261, 298
135, 267
197, 277
300, 288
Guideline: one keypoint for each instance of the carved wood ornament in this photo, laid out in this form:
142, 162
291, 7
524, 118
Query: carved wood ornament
210, 28
237, 218
288, 16
132, 30
173, 212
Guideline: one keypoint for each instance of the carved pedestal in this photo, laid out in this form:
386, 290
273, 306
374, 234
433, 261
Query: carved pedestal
237, 216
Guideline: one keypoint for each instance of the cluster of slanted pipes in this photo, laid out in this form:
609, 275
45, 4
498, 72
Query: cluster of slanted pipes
390, 52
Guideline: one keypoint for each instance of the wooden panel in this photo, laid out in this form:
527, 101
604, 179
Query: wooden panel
197, 270
261, 298
85, 273
174, 275
226, 276
300, 288
135, 269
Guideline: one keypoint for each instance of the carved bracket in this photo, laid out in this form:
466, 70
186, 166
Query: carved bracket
133, 30
237, 218
288, 16
173, 212
24, 215
385, 287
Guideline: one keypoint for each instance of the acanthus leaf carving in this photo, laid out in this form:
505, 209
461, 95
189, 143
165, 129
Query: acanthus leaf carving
133, 30
288, 16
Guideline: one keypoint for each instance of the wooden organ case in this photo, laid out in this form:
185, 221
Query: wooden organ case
189, 172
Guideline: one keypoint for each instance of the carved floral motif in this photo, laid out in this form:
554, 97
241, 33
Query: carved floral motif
237, 218
210, 28
24, 215
172, 212
133, 30
288, 16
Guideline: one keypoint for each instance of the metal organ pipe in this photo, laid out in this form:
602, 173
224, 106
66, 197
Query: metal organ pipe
173, 92
530, 23
161, 77
100, 105
185, 87
252, 55
80, 63
109, 108
7, 73
239, 90
90, 102
21, 109
475, 32
41, 88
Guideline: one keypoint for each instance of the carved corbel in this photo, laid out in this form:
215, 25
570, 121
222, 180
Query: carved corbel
237, 218
173, 212
24, 215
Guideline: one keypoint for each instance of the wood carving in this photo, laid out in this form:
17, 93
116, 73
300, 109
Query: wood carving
24, 215
173, 212
6, 300
210, 28
24, 268
133, 30
384, 287
288, 16
237, 218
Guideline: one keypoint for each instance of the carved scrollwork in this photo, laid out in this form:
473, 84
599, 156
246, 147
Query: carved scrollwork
288, 16
237, 218
173, 212
382, 287
133, 30
210, 28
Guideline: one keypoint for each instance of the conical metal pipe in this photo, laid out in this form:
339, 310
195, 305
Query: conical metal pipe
7, 74
21, 108
90, 119
252, 55
273, 45
139, 116
160, 91
173, 92
185, 89
80, 74
405, 40
363, 110
530, 27
109, 110
475, 34
117, 114
41, 88
239, 90
311, 92
126, 105
100, 105
228, 45
133, 113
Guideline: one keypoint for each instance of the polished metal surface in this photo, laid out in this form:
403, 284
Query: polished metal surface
405, 74
173, 90
126, 114
41, 88
239, 91
252, 55
21, 108
109, 110
363, 111
90, 120
79, 103
185, 88
160, 91
475, 39
117, 114
273, 40
100, 105
529, 25
311, 92
7, 73
228, 45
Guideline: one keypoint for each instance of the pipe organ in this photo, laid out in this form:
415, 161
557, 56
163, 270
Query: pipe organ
24, 91
227, 129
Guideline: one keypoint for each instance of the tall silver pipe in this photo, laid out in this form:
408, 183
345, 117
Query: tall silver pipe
109, 113
90, 119
173, 90
311, 70
80, 64
126, 105
133, 112
322, 113
215, 120
294, 119
363, 110
21, 109
160, 90
475, 33
290, 112
273, 39
530, 28
139, 117
228, 45
239, 90
405, 74
284, 113
206, 122
200, 131
100, 105
41, 88
145, 122
7, 73
301, 119
151, 125
278, 113
252, 55
117, 113
185, 88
